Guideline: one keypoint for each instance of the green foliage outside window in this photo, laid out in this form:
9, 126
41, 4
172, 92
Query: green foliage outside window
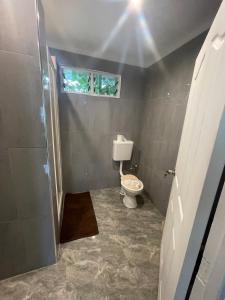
105, 84
90, 82
76, 81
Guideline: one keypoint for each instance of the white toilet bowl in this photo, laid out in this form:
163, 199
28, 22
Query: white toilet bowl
132, 187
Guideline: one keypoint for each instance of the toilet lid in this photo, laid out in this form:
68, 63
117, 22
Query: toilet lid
131, 182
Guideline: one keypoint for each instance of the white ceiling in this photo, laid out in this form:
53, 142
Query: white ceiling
101, 29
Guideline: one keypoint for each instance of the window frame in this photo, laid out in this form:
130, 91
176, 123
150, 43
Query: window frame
92, 73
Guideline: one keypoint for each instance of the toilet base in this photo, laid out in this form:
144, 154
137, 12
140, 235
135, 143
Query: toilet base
130, 201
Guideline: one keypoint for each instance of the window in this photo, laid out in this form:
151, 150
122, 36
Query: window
76, 81
93, 83
105, 84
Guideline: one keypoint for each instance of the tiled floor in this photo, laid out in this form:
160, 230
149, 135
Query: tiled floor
122, 262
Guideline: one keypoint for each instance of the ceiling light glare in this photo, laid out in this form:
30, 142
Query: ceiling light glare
135, 5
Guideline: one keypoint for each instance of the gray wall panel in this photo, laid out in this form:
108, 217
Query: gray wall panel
8, 207
21, 101
30, 183
12, 249
166, 95
18, 27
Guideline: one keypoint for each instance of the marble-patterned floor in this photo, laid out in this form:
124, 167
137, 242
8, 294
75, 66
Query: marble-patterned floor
122, 262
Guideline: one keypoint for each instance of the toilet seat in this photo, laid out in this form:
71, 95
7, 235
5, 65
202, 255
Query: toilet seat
131, 183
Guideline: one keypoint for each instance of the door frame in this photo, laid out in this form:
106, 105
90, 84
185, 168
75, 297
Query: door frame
207, 272
56, 141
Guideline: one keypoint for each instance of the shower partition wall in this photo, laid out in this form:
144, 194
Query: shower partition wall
50, 101
29, 191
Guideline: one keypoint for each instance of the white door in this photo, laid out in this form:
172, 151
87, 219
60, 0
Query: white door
199, 166
55, 136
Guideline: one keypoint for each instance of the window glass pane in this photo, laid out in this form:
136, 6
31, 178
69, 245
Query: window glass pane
76, 81
105, 84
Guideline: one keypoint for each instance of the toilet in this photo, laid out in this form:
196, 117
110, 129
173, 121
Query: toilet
131, 186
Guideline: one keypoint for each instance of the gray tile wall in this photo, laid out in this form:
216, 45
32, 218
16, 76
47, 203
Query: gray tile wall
166, 95
26, 229
89, 125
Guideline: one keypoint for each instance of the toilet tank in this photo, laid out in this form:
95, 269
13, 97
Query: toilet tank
122, 148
